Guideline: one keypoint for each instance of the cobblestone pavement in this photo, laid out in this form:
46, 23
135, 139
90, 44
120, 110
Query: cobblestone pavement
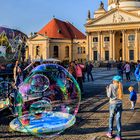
92, 119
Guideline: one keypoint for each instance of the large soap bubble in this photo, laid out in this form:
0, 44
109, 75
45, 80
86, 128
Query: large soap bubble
51, 99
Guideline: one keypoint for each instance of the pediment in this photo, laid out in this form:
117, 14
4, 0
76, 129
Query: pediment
38, 37
114, 17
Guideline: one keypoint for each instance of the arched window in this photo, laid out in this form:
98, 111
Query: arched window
55, 51
67, 51
37, 50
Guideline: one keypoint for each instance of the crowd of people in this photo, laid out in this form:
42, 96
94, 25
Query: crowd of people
79, 72
82, 72
126, 68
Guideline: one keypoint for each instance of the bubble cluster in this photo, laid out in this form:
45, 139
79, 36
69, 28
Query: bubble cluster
51, 99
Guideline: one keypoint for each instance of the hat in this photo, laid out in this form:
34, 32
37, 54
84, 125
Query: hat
117, 78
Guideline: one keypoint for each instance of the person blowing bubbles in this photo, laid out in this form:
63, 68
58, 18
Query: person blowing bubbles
114, 93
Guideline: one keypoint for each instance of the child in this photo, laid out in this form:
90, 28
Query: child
114, 93
133, 97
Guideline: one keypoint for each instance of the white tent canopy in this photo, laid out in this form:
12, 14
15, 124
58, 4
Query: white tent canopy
52, 60
47, 60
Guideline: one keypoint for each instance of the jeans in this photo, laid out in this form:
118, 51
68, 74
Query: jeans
89, 74
133, 103
115, 109
127, 76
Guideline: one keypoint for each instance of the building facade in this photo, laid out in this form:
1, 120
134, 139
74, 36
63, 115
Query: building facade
58, 39
114, 34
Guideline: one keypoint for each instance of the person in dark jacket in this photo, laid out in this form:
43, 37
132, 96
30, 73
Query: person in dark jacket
133, 97
89, 67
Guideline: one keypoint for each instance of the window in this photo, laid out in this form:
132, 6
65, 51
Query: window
131, 37
83, 50
106, 39
67, 51
106, 55
55, 52
120, 40
131, 54
79, 50
95, 55
95, 39
37, 50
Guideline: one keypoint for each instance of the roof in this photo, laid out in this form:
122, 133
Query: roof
11, 33
62, 30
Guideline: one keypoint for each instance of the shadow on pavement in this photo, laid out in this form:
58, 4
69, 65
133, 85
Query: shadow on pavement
83, 131
132, 127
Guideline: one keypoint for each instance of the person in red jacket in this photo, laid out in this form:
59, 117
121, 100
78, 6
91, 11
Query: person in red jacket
78, 68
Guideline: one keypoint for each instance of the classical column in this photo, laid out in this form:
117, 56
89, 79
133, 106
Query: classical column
111, 46
88, 41
102, 42
99, 46
136, 50
91, 47
87, 48
123, 46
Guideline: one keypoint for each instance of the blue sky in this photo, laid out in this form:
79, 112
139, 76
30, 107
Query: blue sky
31, 15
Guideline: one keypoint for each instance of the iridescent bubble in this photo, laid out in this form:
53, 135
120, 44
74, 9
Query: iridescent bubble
51, 98
39, 83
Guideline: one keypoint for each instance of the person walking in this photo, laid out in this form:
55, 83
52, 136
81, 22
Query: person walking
114, 93
89, 67
127, 71
79, 75
120, 69
17, 74
71, 69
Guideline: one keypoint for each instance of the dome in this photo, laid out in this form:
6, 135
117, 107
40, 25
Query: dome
10, 42
11, 33
124, 4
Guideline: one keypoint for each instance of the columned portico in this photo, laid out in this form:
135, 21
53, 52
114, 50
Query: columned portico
114, 34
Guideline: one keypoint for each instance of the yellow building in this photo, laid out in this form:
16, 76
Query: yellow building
114, 34
58, 39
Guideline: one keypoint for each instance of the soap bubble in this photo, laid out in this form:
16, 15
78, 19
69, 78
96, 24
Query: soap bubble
39, 83
51, 99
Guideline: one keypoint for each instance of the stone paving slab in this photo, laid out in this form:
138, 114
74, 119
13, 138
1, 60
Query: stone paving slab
130, 122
